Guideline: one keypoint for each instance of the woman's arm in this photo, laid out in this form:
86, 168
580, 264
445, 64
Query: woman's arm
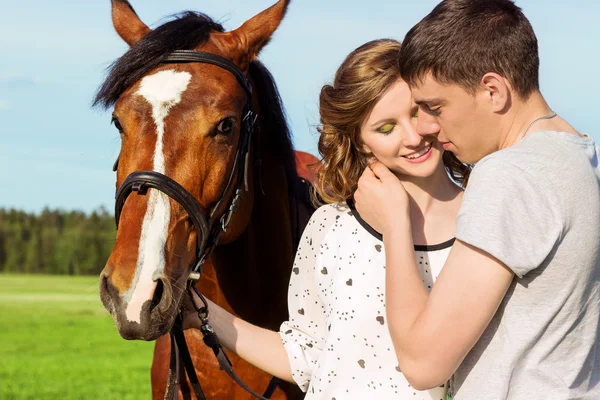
292, 353
261, 347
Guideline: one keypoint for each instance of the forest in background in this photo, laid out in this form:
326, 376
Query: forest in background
55, 241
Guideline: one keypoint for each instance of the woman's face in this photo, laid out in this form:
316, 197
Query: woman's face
389, 133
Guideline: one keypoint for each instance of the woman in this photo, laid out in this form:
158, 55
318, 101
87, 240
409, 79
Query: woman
336, 343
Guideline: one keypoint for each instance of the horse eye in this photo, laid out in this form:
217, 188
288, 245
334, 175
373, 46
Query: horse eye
226, 126
117, 124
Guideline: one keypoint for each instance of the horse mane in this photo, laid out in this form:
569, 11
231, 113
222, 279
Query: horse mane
273, 118
186, 31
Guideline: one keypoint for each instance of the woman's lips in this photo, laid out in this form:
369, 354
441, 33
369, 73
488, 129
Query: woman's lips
423, 156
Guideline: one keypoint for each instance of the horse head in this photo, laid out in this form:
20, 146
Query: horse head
183, 122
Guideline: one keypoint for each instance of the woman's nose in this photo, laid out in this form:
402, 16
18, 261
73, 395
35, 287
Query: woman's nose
412, 138
427, 125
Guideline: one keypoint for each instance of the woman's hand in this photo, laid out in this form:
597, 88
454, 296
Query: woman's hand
260, 347
381, 198
190, 315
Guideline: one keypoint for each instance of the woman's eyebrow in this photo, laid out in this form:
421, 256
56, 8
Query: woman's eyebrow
381, 121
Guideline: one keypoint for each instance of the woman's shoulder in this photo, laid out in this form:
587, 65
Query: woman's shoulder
328, 215
332, 210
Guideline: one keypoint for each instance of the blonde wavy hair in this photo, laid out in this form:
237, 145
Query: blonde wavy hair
364, 76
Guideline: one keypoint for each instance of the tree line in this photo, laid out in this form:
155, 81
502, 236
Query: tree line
55, 241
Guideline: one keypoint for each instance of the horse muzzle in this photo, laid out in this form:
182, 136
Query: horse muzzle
145, 319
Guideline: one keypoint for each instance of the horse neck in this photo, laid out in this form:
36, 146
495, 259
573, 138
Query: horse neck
253, 271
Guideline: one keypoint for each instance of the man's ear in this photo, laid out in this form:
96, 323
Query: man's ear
497, 91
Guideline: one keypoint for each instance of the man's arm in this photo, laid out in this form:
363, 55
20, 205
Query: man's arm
433, 334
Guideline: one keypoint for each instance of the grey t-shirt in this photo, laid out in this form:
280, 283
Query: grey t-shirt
535, 206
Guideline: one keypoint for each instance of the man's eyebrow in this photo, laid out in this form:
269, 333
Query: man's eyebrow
430, 102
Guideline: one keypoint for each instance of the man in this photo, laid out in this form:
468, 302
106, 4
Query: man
515, 312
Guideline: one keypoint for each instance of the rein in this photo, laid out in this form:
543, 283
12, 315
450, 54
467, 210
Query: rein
208, 231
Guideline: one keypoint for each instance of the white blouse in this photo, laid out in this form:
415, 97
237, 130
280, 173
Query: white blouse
337, 338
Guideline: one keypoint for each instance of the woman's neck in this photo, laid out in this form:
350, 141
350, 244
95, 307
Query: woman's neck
434, 204
428, 194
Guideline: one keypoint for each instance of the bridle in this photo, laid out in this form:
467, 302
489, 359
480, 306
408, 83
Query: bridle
208, 229
140, 181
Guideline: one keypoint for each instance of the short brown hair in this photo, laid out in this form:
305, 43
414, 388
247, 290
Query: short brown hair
364, 76
462, 40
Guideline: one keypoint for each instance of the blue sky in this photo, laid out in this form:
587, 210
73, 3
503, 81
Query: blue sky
56, 151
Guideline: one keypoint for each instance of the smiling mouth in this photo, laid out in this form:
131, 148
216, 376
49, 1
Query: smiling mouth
419, 153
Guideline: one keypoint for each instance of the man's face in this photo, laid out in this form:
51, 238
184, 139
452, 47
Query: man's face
465, 121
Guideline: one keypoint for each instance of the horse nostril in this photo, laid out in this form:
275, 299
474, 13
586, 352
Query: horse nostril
105, 287
158, 293
108, 293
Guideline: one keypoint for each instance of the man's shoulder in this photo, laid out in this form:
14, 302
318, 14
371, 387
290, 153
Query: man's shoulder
501, 165
541, 154
546, 148
544, 156
509, 174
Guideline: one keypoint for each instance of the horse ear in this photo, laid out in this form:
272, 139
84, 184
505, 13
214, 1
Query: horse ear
127, 23
255, 33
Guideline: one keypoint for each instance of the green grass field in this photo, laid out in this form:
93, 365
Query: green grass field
58, 342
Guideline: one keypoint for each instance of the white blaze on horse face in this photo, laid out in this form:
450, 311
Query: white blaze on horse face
162, 90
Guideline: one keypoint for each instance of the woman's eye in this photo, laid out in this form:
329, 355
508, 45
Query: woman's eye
387, 128
226, 126
117, 124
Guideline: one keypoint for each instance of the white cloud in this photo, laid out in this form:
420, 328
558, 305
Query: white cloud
8, 78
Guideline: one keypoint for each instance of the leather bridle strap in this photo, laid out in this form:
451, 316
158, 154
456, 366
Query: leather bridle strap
211, 340
141, 181
172, 390
179, 348
185, 56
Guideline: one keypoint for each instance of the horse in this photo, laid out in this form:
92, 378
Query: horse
183, 121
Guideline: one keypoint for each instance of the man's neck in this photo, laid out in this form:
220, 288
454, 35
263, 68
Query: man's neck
522, 119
